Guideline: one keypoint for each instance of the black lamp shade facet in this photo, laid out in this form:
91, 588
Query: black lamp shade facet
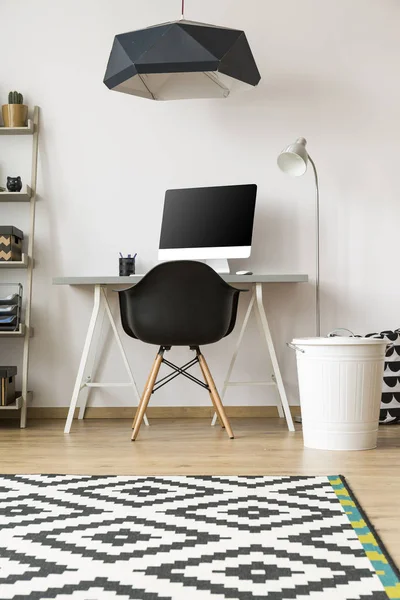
180, 60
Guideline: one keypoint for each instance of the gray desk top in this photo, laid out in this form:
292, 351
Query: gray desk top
231, 278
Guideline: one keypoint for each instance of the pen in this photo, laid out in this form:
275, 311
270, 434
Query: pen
121, 255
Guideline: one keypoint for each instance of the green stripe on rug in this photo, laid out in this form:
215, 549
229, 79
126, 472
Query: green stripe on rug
372, 544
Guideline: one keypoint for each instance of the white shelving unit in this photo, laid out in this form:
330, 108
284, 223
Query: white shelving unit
28, 194
17, 404
15, 264
22, 196
28, 130
20, 332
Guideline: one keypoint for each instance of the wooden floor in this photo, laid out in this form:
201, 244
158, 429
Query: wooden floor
192, 447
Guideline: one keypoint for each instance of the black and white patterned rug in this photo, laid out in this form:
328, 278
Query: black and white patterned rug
187, 538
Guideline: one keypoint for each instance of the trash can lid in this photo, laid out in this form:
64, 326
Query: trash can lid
338, 341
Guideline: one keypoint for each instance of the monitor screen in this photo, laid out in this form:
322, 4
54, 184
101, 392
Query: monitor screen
213, 217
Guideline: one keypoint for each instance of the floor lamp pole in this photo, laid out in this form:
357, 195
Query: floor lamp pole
298, 418
317, 253
293, 160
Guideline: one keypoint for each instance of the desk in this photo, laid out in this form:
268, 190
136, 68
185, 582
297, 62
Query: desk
84, 382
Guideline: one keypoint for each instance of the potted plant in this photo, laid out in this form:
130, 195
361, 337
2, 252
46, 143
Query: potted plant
15, 113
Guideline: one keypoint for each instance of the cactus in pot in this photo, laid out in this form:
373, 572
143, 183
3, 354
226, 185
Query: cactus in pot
15, 113
15, 98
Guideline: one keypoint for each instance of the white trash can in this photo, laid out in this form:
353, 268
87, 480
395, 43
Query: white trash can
340, 382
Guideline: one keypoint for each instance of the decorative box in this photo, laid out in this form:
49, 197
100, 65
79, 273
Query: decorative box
10, 243
7, 383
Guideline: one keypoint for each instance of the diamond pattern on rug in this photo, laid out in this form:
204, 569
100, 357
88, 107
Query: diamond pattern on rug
175, 538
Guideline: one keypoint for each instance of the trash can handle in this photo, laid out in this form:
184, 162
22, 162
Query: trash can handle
294, 347
335, 331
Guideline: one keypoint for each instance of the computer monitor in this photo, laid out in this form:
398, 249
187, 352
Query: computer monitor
213, 223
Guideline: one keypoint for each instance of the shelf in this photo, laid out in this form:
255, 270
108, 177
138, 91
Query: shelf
19, 333
15, 264
16, 405
22, 196
18, 130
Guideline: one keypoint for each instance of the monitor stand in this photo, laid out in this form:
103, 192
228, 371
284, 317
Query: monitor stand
220, 265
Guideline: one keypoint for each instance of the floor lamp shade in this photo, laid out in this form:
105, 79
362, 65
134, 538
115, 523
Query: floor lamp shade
180, 60
293, 159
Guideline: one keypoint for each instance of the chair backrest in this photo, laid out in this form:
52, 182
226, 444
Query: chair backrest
182, 303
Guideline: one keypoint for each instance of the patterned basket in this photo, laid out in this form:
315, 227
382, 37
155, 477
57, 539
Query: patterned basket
390, 405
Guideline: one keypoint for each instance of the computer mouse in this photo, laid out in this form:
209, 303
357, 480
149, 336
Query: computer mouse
244, 273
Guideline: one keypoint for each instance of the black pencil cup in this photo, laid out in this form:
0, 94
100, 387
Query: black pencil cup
126, 267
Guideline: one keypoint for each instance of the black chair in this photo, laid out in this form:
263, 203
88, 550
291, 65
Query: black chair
182, 303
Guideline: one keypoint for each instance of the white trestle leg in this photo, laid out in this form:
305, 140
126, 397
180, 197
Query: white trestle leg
256, 304
84, 379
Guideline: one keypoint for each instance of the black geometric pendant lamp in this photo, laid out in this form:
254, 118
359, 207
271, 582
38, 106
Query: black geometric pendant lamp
179, 60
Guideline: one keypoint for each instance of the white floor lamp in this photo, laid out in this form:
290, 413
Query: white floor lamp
293, 160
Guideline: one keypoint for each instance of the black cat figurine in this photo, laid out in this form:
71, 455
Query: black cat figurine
14, 184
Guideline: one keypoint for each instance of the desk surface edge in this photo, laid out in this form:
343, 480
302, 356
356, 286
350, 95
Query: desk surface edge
115, 280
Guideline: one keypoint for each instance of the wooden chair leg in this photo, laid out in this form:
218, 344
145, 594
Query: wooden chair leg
140, 402
135, 418
214, 392
146, 394
212, 399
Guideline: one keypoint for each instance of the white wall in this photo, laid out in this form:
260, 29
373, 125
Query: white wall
330, 73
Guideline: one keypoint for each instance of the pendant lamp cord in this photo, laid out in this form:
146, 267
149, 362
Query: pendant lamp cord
183, 9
